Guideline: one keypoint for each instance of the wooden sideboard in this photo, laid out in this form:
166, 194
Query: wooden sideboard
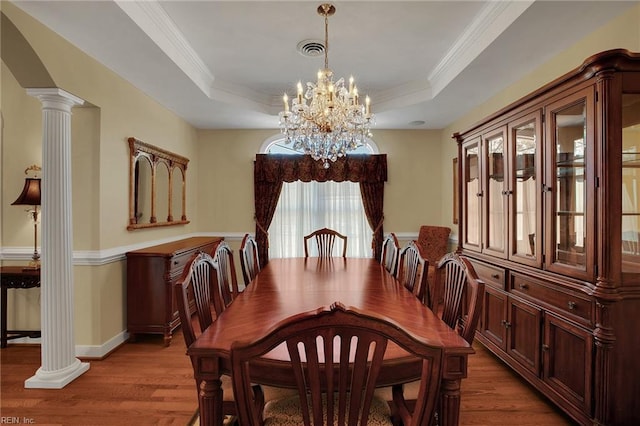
550, 217
16, 277
151, 275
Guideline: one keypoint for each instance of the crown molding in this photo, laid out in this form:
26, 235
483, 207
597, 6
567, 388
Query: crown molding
152, 19
492, 21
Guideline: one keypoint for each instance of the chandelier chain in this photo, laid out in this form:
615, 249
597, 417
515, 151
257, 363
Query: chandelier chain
326, 39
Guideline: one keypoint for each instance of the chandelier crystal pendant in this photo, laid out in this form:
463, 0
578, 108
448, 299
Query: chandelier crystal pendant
327, 120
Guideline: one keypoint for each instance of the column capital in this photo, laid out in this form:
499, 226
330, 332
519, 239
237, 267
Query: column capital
55, 98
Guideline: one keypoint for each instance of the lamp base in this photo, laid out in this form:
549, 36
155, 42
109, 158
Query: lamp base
34, 265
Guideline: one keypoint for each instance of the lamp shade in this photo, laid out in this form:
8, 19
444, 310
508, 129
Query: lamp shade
30, 193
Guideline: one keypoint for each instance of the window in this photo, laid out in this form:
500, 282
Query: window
306, 206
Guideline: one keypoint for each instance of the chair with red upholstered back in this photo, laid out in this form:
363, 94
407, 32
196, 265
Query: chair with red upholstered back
433, 242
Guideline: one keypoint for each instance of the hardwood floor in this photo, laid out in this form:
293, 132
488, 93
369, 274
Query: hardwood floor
144, 383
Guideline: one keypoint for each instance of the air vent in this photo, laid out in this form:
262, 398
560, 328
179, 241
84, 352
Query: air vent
311, 48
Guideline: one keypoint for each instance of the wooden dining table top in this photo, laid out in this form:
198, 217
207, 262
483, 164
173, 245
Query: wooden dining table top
290, 286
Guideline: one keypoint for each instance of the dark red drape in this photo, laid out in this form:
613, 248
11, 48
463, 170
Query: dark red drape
271, 170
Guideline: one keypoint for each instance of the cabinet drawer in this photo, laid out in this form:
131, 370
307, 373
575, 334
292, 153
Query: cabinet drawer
491, 275
541, 291
180, 260
177, 263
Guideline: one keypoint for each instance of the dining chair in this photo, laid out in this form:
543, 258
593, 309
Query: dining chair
390, 253
325, 240
225, 267
249, 261
412, 271
433, 242
463, 295
199, 287
336, 354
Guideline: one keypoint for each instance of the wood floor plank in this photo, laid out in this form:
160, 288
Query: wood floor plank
145, 383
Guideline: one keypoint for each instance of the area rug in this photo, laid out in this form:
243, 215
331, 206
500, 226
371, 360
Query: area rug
195, 420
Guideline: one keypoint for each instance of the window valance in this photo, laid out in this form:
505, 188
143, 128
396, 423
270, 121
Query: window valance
290, 168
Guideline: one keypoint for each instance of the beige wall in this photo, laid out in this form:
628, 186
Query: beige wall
219, 176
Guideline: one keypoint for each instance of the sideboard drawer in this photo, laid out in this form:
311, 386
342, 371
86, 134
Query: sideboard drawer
178, 262
568, 302
491, 275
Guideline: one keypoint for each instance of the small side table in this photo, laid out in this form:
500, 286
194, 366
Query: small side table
16, 277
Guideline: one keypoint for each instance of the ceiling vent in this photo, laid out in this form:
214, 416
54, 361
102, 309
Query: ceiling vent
311, 48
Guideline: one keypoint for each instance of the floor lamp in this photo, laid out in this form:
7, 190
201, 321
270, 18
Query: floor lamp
30, 196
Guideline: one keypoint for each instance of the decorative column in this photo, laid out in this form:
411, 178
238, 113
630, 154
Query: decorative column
59, 364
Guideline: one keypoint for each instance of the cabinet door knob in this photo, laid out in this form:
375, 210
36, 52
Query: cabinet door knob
175, 262
524, 286
572, 305
495, 276
507, 324
545, 347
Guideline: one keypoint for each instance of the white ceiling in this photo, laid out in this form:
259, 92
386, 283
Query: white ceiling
226, 64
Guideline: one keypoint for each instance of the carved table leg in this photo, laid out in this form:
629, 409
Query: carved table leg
210, 401
449, 403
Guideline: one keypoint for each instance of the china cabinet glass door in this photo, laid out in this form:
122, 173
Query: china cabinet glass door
471, 195
525, 190
631, 187
496, 190
570, 185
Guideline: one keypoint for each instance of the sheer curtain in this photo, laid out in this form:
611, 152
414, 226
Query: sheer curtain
304, 207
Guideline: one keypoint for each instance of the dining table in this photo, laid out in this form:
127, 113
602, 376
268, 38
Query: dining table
289, 286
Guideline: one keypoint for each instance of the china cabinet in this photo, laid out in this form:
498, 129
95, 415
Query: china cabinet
549, 210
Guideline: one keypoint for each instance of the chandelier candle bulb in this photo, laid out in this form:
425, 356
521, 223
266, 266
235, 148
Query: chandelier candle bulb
285, 98
351, 86
367, 102
299, 92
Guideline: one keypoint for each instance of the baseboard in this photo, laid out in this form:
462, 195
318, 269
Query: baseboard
84, 352
25, 341
88, 352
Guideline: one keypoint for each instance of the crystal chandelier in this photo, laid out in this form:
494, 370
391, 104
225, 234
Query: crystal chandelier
327, 120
